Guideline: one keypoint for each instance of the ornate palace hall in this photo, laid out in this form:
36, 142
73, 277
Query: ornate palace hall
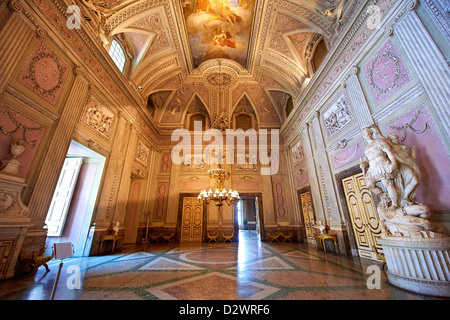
231, 150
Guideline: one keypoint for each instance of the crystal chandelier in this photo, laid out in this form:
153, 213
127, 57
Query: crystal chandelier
220, 194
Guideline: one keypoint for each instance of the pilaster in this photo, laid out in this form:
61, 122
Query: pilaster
113, 174
313, 177
124, 185
430, 66
15, 36
358, 100
324, 175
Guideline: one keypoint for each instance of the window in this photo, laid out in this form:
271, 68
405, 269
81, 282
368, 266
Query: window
244, 122
116, 53
197, 117
319, 54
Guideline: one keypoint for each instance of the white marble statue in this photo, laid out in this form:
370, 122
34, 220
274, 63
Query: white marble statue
389, 162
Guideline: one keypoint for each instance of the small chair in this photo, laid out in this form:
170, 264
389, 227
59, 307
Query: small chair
287, 237
168, 237
154, 237
212, 237
227, 237
273, 237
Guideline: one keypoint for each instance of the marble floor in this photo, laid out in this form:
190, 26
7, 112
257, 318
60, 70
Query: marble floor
248, 270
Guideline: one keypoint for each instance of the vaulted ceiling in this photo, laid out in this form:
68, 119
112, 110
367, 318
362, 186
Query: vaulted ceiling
218, 54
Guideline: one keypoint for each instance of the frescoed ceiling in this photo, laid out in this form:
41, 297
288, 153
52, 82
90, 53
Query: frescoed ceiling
219, 29
217, 52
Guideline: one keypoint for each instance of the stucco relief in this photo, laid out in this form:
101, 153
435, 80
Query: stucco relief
263, 104
98, 116
337, 116
297, 153
194, 163
142, 153
349, 155
154, 24
385, 72
45, 73
15, 126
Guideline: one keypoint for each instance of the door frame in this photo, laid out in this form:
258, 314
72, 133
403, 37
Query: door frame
180, 216
260, 215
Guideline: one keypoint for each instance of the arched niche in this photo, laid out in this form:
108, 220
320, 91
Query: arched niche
244, 116
197, 112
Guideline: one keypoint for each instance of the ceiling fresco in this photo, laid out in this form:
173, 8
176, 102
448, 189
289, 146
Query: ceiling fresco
219, 29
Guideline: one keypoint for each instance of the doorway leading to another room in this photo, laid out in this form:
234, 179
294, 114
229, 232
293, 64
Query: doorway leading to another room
249, 222
71, 211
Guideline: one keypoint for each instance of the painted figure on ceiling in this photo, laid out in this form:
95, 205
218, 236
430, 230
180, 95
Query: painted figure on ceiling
202, 6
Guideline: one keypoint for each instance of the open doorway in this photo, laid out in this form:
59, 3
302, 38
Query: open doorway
248, 217
70, 214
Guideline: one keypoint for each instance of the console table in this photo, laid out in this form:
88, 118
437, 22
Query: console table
110, 237
323, 237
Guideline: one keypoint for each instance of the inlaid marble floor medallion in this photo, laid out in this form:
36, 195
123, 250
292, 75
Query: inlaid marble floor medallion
248, 270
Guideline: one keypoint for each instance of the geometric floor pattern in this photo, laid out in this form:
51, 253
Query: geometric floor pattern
248, 270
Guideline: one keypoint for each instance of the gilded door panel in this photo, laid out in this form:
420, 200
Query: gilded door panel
308, 213
373, 222
363, 214
192, 220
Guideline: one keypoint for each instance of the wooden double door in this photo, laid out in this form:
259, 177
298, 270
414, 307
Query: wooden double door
363, 215
192, 220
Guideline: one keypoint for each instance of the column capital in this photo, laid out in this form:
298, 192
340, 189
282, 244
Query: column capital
17, 6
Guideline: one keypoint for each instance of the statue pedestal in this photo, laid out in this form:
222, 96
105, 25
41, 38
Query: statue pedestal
420, 265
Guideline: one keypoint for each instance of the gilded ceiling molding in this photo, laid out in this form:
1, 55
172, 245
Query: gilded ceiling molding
287, 67
152, 74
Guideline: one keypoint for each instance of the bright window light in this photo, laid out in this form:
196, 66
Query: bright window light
116, 53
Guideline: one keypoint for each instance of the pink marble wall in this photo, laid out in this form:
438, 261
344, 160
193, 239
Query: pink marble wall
45, 73
385, 73
15, 126
432, 157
